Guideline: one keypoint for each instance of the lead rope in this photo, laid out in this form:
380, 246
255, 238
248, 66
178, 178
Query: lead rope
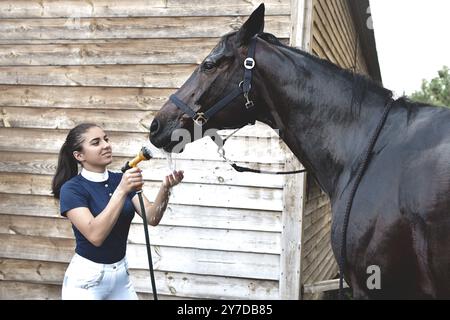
238, 168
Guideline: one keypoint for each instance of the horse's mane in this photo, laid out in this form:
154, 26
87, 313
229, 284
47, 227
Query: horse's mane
361, 83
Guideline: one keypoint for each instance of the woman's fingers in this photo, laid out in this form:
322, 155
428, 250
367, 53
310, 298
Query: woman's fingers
134, 177
178, 175
132, 180
173, 179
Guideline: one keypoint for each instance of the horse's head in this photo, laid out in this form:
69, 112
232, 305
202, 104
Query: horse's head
218, 80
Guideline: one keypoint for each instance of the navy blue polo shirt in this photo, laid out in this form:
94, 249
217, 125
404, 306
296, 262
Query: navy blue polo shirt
80, 192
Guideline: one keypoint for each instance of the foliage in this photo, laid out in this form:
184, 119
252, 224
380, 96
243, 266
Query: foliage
436, 91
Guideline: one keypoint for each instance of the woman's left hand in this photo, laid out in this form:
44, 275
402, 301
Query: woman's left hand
173, 179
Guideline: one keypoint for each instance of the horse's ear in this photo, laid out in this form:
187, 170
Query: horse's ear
253, 26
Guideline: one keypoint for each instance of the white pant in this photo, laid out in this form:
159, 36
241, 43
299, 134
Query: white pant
88, 280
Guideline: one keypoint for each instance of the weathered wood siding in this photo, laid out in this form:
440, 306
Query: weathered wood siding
318, 262
333, 37
115, 63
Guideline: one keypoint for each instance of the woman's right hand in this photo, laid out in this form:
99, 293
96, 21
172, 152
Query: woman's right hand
132, 180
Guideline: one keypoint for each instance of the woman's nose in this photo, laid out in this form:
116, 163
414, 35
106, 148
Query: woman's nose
106, 144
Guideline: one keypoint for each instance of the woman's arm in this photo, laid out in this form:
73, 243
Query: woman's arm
155, 211
97, 228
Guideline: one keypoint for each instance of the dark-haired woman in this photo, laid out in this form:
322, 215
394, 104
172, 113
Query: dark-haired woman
101, 205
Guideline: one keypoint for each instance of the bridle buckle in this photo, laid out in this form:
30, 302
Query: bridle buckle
200, 119
249, 63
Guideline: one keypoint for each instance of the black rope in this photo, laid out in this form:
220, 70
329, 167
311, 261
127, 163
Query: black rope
361, 170
241, 169
245, 169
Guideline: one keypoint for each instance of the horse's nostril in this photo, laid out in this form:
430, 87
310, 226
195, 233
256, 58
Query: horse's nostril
154, 127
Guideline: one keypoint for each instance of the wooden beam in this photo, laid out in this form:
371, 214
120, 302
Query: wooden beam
291, 235
301, 24
83, 97
253, 198
131, 27
295, 187
134, 8
165, 259
217, 172
171, 236
322, 286
174, 284
111, 52
242, 149
137, 76
176, 215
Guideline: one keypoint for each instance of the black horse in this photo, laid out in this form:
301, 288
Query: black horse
400, 218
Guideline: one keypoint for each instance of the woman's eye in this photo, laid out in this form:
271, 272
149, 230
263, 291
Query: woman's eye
208, 65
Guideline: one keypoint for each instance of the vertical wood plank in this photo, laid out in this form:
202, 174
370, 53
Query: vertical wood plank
291, 235
301, 24
295, 187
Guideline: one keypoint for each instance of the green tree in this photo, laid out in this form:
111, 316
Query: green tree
437, 91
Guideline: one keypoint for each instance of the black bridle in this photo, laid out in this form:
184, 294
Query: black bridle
244, 87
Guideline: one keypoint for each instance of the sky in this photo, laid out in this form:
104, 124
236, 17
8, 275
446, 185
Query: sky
413, 41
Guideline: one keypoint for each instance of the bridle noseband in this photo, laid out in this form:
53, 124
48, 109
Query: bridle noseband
244, 87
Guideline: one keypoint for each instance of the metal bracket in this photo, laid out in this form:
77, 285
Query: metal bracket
249, 104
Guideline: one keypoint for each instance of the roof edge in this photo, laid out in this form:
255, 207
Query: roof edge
360, 10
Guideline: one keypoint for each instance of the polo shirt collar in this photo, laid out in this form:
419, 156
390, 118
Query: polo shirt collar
95, 176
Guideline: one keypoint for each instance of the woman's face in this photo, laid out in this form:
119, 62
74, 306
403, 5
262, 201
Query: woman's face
96, 152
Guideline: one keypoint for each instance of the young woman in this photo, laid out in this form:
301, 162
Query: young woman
101, 205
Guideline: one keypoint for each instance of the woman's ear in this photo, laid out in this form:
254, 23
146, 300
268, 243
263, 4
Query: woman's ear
78, 156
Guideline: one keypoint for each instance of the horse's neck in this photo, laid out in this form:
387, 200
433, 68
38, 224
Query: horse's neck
314, 111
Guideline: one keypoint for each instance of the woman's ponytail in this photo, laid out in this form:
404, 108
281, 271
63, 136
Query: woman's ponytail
67, 164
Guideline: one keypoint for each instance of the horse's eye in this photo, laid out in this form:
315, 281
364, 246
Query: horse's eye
208, 65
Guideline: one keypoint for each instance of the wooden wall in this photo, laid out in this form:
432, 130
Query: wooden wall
115, 63
333, 37
334, 34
